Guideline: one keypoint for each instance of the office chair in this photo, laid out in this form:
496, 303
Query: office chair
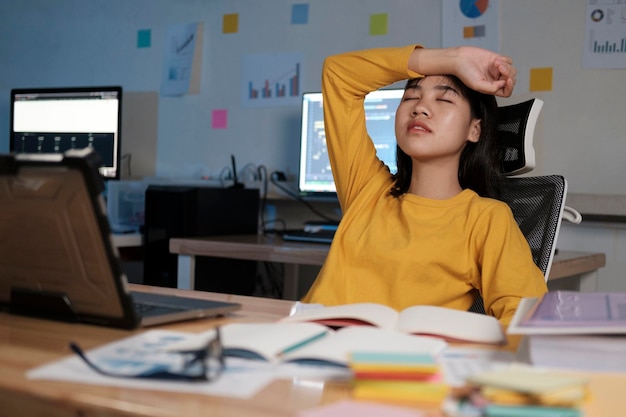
537, 203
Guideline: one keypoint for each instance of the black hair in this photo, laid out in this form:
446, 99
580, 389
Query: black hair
479, 166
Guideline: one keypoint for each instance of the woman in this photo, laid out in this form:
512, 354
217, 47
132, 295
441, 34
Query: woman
432, 233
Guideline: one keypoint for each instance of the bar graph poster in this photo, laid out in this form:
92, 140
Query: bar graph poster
471, 22
271, 79
605, 38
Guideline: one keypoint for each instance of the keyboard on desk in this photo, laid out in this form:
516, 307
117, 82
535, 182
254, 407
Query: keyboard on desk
317, 236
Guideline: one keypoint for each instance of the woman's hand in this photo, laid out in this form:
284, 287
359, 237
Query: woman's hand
480, 69
486, 71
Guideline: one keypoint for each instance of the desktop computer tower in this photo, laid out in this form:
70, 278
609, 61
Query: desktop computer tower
188, 211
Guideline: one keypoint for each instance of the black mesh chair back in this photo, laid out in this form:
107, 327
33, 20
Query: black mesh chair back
516, 128
537, 204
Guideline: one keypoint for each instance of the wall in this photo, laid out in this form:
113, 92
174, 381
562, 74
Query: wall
77, 42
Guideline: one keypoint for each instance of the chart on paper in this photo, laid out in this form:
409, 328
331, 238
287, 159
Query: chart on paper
605, 37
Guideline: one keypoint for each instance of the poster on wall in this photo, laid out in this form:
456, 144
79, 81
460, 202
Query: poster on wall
605, 34
471, 22
271, 79
182, 60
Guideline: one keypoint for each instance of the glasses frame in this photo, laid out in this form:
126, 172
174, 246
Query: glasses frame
210, 358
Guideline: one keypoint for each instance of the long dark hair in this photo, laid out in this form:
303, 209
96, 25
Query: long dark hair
479, 167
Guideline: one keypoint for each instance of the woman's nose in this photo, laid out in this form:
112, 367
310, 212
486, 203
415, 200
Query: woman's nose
421, 108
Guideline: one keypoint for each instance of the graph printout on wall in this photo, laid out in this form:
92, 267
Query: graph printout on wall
271, 79
605, 38
471, 22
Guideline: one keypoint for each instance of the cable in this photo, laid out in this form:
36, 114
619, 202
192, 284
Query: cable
225, 170
262, 176
296, 197
127, 157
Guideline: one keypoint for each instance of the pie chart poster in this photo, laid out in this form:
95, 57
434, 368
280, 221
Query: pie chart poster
471, 22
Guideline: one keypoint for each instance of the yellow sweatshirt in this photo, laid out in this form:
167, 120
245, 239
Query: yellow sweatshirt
409, 250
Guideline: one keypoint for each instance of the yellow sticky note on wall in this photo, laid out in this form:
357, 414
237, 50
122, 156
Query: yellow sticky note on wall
230, 23
541, 79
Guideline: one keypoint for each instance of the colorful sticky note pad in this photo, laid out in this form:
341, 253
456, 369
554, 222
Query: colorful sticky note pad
219, 119
144, 38
378, 24
230, 23
299, 14
541, 79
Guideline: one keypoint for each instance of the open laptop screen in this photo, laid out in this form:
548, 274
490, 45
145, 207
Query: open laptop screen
57, 258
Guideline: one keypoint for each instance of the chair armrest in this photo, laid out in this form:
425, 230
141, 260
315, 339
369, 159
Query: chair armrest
572, 215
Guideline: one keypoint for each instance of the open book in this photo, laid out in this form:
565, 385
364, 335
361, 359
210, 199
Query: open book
571, 312
446, 323
309, 343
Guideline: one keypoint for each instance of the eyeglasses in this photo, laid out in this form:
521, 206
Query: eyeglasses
204, 364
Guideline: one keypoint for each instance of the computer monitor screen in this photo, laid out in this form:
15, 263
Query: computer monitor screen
53, 120
315, 177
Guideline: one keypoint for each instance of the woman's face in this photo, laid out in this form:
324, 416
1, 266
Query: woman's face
433, 121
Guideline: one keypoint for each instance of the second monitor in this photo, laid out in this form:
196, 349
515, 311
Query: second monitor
315, 176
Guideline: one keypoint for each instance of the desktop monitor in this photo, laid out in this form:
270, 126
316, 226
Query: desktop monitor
53, 120
315, 178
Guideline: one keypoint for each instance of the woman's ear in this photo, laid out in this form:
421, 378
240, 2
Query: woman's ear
474, 132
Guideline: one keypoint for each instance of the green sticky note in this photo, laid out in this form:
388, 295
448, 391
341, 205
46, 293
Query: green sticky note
495, 410
378, 24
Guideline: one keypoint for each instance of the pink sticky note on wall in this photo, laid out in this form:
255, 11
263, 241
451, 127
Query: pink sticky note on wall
219, 119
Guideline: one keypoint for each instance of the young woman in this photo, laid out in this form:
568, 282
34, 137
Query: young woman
432, 233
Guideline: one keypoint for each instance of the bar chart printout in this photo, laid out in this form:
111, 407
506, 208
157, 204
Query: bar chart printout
271, 80
605, 37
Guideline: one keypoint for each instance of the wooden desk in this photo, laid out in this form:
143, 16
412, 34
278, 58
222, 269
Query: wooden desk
26, 343
125, 240
577, 270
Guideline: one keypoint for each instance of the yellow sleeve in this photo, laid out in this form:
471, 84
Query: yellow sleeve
508, 272
346, 80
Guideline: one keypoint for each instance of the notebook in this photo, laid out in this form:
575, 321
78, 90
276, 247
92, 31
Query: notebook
57, 257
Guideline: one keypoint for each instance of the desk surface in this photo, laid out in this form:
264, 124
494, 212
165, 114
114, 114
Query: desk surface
274, 249
26, 343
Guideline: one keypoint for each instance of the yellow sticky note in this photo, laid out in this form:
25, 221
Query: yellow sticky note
378, 24
230, 23
541, 79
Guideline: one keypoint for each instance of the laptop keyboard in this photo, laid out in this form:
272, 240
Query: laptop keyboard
143, 306
145, 309
317, 236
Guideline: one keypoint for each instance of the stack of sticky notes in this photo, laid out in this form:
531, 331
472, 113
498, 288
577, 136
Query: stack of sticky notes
406, 377
525, 391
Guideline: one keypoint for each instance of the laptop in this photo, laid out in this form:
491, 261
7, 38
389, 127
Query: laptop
57, 257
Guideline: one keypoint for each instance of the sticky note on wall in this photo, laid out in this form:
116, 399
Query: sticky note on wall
230, 23
541, 79
219, 119
378, 24
144, 38
299, 14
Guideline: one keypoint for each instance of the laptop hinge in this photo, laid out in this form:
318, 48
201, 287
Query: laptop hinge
44, 304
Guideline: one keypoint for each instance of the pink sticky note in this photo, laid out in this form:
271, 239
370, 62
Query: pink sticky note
359, 408
219, 119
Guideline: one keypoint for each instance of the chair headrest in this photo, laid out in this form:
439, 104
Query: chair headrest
516, 128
